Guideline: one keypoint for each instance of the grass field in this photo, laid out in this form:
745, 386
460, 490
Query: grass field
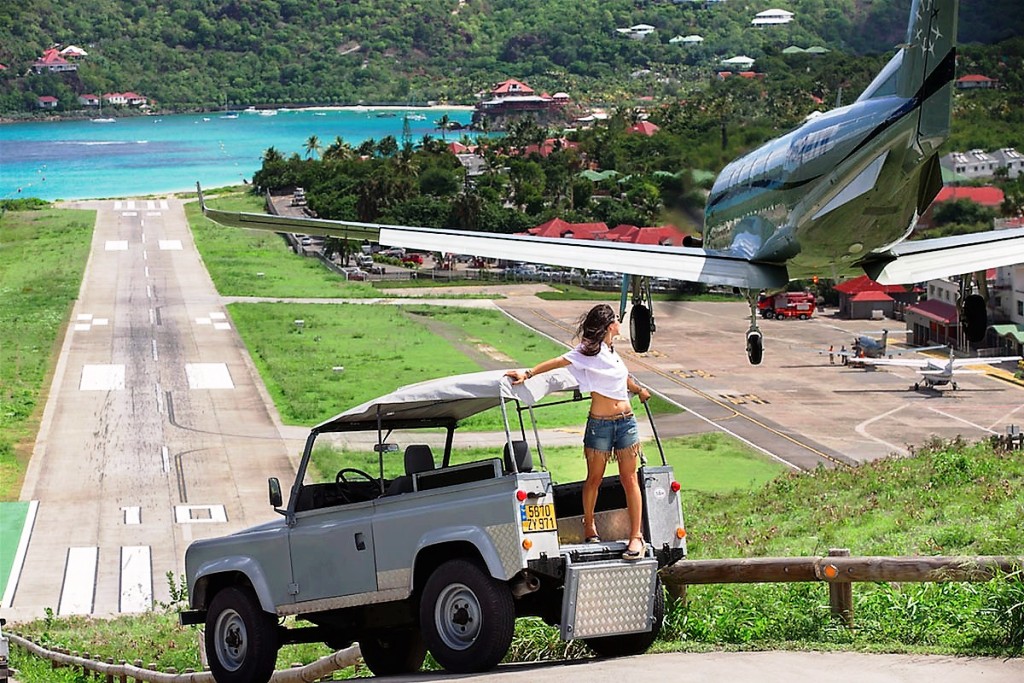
234, 257
42, 258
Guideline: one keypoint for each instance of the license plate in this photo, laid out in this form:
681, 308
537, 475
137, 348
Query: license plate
538, 518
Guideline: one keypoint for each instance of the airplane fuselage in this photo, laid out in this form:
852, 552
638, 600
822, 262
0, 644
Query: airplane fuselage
849, 182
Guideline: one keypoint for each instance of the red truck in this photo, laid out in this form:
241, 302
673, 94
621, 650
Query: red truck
786, 305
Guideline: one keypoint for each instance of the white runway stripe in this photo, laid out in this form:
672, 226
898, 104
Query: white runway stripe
76, 595
208, 376
102, 378
136, 579
164, 205
132, 514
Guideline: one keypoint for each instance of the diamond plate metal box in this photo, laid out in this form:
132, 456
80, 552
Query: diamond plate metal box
608, 598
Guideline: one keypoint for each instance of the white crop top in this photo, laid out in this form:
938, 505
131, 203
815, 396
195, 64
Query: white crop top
604, 373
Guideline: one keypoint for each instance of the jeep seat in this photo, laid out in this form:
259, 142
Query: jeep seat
524, 460
418, 458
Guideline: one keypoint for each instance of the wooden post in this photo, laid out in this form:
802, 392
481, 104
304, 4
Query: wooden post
840, 593
676, 592
109, 678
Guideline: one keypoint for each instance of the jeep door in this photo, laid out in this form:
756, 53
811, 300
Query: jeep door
332, 552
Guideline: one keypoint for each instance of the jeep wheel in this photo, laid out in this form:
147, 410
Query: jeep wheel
632, 643
467, 617
241, 639
391, 654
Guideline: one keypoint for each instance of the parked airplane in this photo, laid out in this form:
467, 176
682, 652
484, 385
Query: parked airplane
835, 197
866, 346
936, 373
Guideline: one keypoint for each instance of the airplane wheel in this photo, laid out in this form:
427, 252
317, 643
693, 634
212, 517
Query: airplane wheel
975, 317
755, 347
640, 328
916, 386
954, 386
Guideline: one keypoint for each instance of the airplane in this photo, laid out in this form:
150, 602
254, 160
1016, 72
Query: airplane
866, 346
838, 196
936, 373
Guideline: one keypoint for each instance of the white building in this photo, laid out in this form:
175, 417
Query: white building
692, 39
637, 32
977, 163
772, 17
741, 62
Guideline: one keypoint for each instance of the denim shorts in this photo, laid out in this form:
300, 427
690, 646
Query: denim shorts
607, 435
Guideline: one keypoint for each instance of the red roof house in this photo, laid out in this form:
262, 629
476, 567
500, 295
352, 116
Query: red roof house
548, 146
47, 102
986, 196
512, 87
661, 234
52, 61
644, 127
863, 283
972, 81
859, 297
556, 227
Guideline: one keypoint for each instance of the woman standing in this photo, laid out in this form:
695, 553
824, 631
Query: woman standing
611, 427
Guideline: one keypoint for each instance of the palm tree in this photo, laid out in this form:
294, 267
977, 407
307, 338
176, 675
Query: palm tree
272, 155
442, 123
312, 146
339, 150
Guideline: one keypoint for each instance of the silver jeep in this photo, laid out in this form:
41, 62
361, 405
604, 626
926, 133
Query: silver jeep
441, 556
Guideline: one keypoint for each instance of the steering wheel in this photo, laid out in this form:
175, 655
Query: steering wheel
342, 483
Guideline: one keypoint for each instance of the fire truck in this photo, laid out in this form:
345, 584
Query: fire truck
786, 305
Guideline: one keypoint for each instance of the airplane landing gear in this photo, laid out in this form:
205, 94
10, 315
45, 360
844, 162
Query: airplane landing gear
953, 384
755, 340
641, 314
973, 311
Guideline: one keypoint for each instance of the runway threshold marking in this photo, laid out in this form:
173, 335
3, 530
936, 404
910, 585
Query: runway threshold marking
136, 579
79, 587
102, 378
116, 245
208, 376
200, 514
132, 514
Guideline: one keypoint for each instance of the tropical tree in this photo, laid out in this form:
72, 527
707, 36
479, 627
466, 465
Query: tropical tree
443, 123
312, 146
272, 155
339, 150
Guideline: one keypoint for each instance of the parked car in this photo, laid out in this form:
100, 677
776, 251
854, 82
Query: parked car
393, 252
413, 259
440, 555
354, 274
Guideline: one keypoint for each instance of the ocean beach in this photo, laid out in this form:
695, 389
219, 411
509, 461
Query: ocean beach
142, 155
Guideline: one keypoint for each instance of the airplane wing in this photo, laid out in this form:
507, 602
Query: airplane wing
901, 362
680, 263
961, 362
921, 260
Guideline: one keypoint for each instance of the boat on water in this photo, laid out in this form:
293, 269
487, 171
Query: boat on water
268, 112
104, 120
229, 116
386, 114
416, 117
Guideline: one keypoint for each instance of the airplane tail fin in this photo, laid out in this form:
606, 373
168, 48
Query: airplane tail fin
928, 66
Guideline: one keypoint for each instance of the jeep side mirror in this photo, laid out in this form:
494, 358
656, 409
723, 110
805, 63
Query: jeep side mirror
385, 447
275, 491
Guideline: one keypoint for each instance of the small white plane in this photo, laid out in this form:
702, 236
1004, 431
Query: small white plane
937, 373
835, 197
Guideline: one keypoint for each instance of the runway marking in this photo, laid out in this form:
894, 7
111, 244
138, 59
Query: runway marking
690, 374
130, 204
150, 204
132, 514
159, 400
200, 514
152, 317
149, 292
960, 419
143, 236
155, 354
102, 378
220, 317
117, 205
165, 458
145, 256
146, 270
86, 322
208, 376
136, 579
129, 214
740, 399
862, 430
153, 213
170, 245
117, 245
19, 554
76, 594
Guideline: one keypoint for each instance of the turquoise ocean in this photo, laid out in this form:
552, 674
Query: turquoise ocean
142, 155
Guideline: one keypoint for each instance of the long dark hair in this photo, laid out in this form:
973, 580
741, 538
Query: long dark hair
592, 327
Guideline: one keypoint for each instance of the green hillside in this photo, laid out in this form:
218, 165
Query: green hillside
193, 53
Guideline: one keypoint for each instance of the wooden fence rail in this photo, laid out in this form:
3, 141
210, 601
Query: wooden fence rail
839, 570
314, 671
